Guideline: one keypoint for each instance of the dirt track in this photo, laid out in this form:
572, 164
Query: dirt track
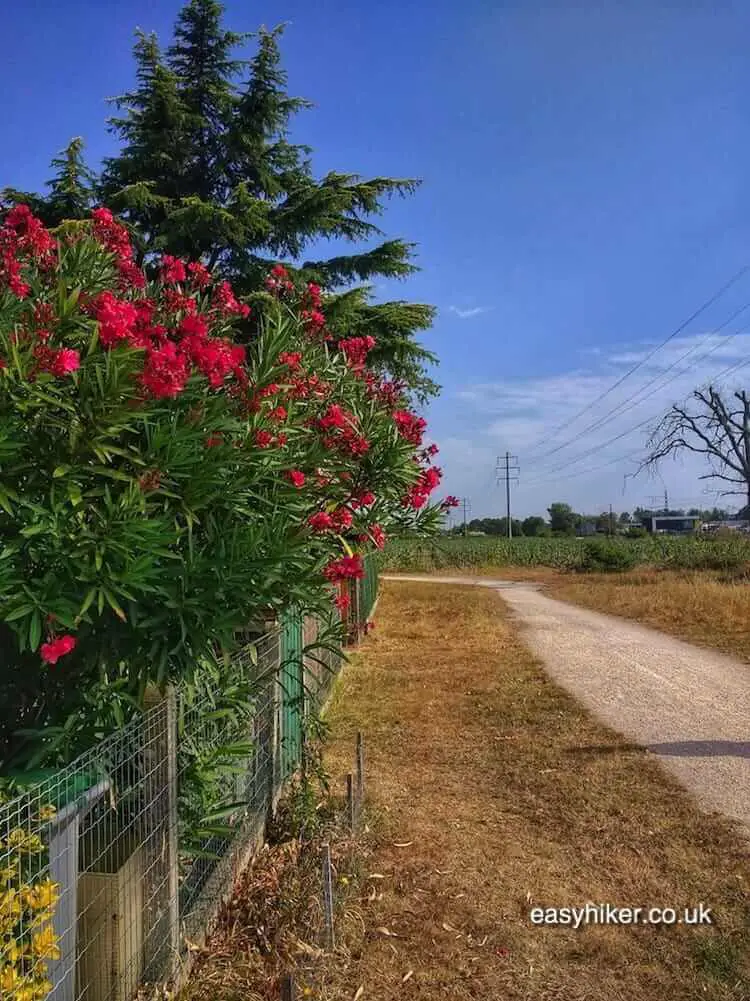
688, 706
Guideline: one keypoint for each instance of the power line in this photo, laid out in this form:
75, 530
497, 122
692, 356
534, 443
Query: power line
584, 472
678, 330
623, 410
620, 409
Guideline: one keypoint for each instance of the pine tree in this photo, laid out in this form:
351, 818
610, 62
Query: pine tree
71, 190
206, 169
145, 181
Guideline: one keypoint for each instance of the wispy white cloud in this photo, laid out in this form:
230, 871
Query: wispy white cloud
466, 314
584, 459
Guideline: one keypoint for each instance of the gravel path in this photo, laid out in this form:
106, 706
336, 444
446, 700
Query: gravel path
687, 705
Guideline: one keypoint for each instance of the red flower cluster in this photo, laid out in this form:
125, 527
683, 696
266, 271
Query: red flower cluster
172, 270
410, 427
355, 350
390, 394
114, 237
296, 478
23, 235
363, 499
278, 282
341, 431
449, 502
375, 535
226, 304
342, 601
311, 311
31, 236
51, 652
418, 495
116, 317
263, 439
291, 359
200, 276
57, 361
321, 521
166, 371
347, 568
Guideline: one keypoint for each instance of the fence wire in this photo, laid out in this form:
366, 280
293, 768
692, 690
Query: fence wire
113, 869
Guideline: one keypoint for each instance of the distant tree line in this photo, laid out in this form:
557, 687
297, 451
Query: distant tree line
563, 520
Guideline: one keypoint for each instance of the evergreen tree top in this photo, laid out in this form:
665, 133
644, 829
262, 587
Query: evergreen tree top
206, 169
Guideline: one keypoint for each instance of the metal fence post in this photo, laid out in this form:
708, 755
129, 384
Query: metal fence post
162, 951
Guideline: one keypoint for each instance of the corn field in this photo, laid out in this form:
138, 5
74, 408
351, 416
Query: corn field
664, 551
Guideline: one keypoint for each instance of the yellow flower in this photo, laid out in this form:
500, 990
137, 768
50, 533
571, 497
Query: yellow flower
44, 943
47, 813
10, 978
42, 895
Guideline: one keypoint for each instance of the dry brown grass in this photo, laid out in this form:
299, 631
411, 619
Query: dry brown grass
503, 792
707, 608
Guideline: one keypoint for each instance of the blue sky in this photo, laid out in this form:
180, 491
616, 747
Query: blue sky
584, 192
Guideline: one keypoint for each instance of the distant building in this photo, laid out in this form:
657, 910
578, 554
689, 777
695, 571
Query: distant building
586, 528
733, 525
671, 524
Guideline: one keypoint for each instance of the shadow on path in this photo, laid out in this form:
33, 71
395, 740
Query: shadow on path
677, 749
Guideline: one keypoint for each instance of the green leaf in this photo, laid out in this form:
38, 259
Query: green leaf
35, 630
30, 530
61, 471
112, 601
18, 613
90, 595
74, 492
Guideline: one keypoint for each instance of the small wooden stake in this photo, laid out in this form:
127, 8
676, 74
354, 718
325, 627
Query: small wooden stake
360, 771
350, 804
288, 990
328, 896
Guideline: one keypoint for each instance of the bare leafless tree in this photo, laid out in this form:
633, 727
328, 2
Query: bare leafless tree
713, 424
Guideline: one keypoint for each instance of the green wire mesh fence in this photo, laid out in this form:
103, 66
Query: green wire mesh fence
113, 869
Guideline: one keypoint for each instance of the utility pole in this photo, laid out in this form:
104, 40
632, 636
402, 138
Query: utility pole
611, 526
507, 470
466, 504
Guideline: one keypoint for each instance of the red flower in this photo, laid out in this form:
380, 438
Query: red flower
355, 350
348, 567
320, 522
450, 501
342, 601
363, 500
291, 359
172, 270
213, 440
166, 371
296, 478
199, 274
342, 518
51, 652
194, 326
410, 426
178, 302
278, 282
225, 302
263, 439
66, 360
312, 295
378, 536
278, 414
116, 318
